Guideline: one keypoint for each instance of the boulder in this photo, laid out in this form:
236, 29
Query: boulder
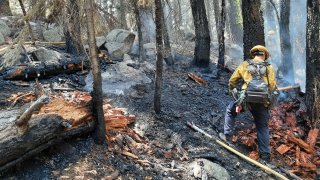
53, 35
46, 56
2, 40
4, 28
204, 168
100, 41
119, 77
119, 42
12, 57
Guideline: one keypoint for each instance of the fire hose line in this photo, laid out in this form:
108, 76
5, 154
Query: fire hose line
263, 167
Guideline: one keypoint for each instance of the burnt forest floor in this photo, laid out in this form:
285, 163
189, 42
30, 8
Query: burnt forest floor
182, 100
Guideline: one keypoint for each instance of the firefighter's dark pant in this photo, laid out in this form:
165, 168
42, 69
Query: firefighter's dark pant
260, 115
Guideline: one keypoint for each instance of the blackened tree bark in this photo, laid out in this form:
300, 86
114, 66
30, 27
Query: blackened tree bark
72, 29
253, 27
5, 8
235, 21
220, 32
159, 63
139, 27
97, 100
202, 47
313, 63
167, 55
286, 61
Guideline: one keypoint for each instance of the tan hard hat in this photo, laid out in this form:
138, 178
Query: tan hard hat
260, 48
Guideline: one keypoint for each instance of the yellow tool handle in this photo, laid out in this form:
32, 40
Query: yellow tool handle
287, 88
263, 167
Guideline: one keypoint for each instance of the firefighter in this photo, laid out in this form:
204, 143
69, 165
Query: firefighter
255, 73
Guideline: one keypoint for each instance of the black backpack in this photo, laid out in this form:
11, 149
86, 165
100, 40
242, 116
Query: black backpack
258, 90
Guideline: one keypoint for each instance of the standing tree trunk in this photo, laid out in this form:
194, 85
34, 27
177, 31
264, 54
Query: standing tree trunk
177, 19
208, 11
235, 21
159, 63
166, 39
220, 32
5, 8
202, 42
313, 63
123, 8
97, 100
253, 27
286, 60
139, 26
27, 22
72, 29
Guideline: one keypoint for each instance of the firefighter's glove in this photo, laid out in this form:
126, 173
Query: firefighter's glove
238, 109
234, 93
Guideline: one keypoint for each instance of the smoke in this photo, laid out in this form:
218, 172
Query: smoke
298, 23
298, 19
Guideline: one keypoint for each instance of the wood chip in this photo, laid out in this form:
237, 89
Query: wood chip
197, 79
308, 165
254, 155
126, 153
298, 156
283, 149
312, 137
302, 144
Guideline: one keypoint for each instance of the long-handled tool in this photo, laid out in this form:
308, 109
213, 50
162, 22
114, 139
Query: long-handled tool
295, 87
265, 168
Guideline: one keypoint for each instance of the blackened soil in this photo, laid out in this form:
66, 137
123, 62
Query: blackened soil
182, 100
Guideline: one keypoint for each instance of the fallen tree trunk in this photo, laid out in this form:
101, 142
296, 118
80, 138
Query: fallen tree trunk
36, 69
17, 144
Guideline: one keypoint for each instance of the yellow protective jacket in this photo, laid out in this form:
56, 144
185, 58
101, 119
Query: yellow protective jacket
242, 73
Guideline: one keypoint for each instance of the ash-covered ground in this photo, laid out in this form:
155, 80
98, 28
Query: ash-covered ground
166, 134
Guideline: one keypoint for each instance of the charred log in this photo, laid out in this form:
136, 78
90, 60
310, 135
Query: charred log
38, 69
16, 144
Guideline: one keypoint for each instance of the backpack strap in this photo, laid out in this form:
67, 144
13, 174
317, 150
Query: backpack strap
268, 64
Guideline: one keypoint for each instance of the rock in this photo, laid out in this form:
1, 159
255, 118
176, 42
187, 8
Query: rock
119, 77
2, 40
53, 35
100, 41
119, 42
12, 57
4, 28
200, 167
45, 55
